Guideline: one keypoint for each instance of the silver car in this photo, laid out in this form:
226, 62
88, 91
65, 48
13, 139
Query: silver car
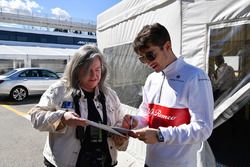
21, 82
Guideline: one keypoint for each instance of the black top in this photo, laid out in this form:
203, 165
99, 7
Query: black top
95, 139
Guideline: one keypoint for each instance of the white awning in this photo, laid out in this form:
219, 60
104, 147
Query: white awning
9, 51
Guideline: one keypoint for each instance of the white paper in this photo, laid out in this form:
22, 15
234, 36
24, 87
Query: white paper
105, 127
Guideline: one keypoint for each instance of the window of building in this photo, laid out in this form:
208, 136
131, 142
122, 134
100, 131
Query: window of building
229, 70
57, 66
43, 38
10, 64
231, 41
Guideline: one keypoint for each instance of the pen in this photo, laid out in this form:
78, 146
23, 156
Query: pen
131, 122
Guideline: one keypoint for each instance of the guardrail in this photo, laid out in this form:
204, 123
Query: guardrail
35, 19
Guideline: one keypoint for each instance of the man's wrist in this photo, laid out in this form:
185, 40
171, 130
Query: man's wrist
159, 136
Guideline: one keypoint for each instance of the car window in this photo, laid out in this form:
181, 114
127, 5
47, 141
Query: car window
9, 73
29, 73
50, 74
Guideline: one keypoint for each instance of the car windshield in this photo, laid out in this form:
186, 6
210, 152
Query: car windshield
9, 72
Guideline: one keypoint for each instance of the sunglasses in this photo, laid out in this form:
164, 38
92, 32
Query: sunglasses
150, 56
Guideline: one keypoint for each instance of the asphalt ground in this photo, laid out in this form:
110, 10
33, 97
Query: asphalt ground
20, 144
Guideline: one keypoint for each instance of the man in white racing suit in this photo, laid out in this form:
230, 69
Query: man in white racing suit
176, 114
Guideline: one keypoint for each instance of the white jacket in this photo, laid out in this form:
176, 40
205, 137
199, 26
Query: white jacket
179, 101
62, 147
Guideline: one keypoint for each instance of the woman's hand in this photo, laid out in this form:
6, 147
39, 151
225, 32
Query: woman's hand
119, 140
72, 119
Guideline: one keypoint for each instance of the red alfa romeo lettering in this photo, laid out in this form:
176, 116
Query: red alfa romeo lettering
164, 116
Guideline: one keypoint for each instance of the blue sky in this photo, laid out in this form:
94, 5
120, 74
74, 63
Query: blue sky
76, 9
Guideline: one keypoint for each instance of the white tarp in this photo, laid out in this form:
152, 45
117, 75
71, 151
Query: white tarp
119, 24
197, 16
187, 22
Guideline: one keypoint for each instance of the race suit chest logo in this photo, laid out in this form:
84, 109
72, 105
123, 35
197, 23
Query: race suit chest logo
164, 116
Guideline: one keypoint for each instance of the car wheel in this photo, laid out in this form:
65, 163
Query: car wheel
19, 93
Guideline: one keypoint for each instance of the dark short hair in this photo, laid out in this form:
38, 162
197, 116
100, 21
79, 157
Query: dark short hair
155, 34
219, 59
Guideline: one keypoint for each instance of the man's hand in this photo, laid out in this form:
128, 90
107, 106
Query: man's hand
147, 135
129, 122
72, 119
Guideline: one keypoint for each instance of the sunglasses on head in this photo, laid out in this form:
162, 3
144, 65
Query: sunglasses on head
149, 56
